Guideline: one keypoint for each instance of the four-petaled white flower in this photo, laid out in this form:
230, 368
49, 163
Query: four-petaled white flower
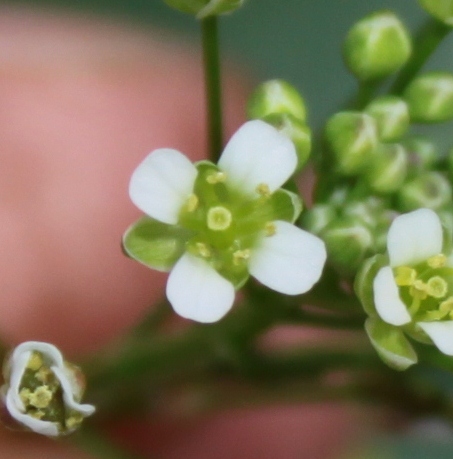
42, 391
412, 289
231, 220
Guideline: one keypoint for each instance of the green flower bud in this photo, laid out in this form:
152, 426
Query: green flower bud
422, 153
205, 8
440, 9
276, 96
392, 116
297, 131
318, 217
387, 169
352, 137
377, 46
348, 242
431, 190
430, 97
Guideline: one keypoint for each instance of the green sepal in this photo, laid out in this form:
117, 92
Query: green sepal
155, 244
391, 344
363, 284
286, 205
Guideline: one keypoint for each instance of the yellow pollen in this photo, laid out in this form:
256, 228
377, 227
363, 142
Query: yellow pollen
219, 218
35, 362
405, 276
216, 177
43, 374
24, 395
270, 229
240, 256
437, 261
41, 397
74, 421
37, 414
203, 250
436, 287
446, 307
192, 203
263, 190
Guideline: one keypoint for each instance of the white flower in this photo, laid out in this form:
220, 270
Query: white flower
415, 291
227, 208
42, 392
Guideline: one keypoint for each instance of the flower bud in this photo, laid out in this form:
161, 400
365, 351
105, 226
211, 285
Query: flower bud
431, 190
348, 242
392, 117
205, 8
422, 153
440, 9
430, 97
42, 392
352, 137
276, 96
297, 131
387, 169
377, 46
318, 217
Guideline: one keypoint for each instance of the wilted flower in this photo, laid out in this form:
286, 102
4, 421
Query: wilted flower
42, 392
212, 225
410, 291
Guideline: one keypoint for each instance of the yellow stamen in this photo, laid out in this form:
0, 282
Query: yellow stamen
437, 261
446, 307
216, 177
405, 276
41, 397
270, 229
436, 287
241, 255
35, 362
418, 290
203, 250
263, 190
192, 203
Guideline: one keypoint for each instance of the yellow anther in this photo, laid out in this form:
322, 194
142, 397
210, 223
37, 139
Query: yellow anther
43, 374
437, 261
405, 276
37, 414
192, 203
418, 290
35, 362
203, 249
216, 177
24, 395
270, 229
436, 287
263, 190
241, 255
74, 421
219, 218
41, 397
446, 307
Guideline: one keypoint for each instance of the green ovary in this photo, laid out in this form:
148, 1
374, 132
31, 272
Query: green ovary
427, 289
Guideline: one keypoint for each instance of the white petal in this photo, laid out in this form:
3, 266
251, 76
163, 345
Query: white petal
414, 237
441, 333
197, 291
257, 153
387, 299
290, 261
161, 184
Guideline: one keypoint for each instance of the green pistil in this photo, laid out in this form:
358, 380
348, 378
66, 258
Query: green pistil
219, 218
436, 287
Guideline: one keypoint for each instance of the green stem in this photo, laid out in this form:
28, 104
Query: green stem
425, 43
211, 62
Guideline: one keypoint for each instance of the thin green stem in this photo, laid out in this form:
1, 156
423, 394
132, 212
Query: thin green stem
211, 61
426, 41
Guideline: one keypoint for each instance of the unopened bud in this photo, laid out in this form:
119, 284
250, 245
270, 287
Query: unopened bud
297, 131
422, 153
318, 217
377, 46
387, 169
42, 392
440, 9
352, 137
430, 97
348, 241
205, 8
276, 96
431, 190
392, 117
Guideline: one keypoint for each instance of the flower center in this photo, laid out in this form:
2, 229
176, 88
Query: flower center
219, 218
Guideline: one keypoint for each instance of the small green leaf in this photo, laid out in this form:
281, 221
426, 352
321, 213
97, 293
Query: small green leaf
391, 344
155, 244
286, 205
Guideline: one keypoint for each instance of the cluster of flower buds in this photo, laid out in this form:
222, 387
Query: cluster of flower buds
278, 103
42, 392
205, 8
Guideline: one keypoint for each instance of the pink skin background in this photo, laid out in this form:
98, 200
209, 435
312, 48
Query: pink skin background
81, 103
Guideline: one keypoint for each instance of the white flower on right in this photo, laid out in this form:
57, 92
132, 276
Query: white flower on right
213, 225
412, 292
